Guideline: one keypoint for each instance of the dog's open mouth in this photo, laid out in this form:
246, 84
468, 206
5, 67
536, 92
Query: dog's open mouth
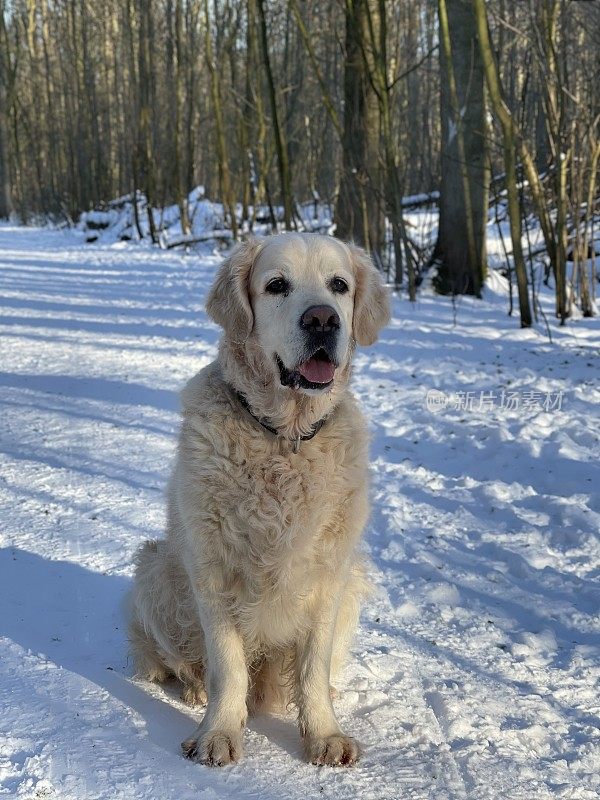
318, 369
315, 373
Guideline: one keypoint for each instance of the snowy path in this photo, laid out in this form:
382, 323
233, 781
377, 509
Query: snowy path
476, 670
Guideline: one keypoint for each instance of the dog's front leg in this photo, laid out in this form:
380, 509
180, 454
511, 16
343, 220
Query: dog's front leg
324, 741
218, 738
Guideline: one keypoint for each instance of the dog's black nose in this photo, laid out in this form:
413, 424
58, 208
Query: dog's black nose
320, 318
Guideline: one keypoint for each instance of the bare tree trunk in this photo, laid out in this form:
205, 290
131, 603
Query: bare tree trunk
255, 97
541, 136
554, 112
516, 232
224, 174
146, 162
278, 131
587, 248
509, 137
6, 206
377, 66
180, 192
358, 212
5, 192
245, 124
465, 178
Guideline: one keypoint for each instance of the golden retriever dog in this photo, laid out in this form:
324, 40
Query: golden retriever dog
252, 598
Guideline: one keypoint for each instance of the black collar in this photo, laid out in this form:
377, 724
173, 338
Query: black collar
295, 442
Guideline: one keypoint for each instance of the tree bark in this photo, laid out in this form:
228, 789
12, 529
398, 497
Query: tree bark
460, 248
278, 131
510, 144
224, 174
180, 190
146, 162
358, 213
6, 205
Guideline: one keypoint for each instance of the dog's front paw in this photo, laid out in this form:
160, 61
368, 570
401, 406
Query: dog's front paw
334, 751
214, 748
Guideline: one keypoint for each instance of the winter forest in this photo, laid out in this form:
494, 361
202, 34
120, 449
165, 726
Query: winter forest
458, 143
300, 114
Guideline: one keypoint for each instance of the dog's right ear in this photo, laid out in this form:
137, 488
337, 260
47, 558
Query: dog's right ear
228, 301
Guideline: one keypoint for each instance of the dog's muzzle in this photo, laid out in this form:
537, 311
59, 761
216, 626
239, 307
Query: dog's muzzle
320, 325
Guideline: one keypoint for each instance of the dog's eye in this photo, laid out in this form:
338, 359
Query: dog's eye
277, 286
338, 286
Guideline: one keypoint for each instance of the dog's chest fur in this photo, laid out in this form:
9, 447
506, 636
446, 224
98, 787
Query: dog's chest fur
281, 525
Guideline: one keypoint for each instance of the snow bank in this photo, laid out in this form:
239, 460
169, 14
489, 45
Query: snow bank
122, 220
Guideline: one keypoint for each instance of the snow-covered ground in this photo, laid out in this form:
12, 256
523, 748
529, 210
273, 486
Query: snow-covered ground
476, 670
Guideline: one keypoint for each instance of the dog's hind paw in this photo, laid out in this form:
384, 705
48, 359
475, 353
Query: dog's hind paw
194, 695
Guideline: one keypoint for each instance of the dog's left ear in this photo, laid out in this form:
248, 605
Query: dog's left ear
228, 300
371, 299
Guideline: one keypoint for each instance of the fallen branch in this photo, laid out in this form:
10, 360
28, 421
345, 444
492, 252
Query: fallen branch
186, 241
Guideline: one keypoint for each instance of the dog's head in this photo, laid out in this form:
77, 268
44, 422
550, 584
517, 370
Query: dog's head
304, 300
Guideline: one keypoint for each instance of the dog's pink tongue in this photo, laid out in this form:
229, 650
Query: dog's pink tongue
317, 371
